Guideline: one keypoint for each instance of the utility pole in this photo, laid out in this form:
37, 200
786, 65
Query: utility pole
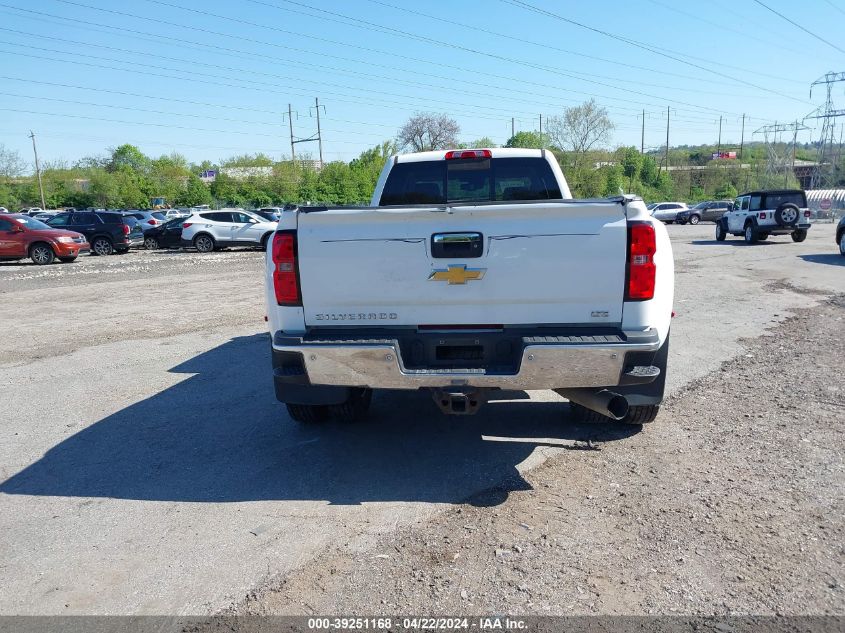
719, 147
37, 169
541, 125
513, 128
642, 138
317, 107
742, 139
290, 121
667, 139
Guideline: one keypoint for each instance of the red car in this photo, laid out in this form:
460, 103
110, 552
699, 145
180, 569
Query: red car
22, 236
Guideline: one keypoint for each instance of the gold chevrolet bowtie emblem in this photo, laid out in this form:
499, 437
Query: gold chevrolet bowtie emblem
457, 274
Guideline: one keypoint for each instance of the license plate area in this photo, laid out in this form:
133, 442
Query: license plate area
463, 353
497, 352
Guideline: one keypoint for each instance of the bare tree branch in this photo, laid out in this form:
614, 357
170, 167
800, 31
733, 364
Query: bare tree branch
428, 131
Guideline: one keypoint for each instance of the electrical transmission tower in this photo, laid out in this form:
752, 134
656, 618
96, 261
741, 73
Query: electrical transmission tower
780, 155
824, 169
316, 137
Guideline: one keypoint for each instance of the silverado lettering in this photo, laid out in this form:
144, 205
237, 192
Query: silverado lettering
359, 316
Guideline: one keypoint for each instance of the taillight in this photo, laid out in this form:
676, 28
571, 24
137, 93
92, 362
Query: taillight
762, 216
126, 229
153, 221
285, 273
807, 214
185, 225
642, 244
469, 153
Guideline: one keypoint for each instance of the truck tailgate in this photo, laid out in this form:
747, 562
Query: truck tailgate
538, 263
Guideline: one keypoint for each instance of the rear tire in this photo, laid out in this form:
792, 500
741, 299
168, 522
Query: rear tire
102, 246
721, 233
308, 413
636, 415
41, 254
694, 219
762, 236
842, 244
151, 243
353, 409
800, 235
204, 243
265, 241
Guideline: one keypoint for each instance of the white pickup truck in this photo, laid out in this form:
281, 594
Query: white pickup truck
471, 270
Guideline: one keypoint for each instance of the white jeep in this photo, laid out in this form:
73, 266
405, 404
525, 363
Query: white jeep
758, 214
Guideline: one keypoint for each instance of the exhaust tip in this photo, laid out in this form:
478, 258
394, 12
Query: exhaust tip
617, 406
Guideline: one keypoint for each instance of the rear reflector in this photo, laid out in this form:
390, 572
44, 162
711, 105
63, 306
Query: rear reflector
469, 153
642, 245
285, 273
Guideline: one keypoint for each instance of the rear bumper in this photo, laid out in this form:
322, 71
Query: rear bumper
544, 362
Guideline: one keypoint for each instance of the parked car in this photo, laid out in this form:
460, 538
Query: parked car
667, 212
176, 213
147, 219
107, 231
4, 210
212, 230
708, 211
758, 214
271, 214
42, 215
22, 236
167, 235
840, 235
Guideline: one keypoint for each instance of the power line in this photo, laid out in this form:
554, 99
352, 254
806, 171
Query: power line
464, 25
398, 32
274, 44
643, 46
745, 34
834, 6
339, 96
178, 42
247, 70
793, 23
626, 89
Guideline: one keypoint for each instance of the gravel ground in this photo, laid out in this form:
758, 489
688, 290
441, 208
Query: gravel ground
146, 468
732, 501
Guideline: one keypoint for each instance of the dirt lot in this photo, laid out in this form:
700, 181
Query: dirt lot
732, 501
145, 467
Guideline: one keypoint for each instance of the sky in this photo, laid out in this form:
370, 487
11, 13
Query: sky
214, 79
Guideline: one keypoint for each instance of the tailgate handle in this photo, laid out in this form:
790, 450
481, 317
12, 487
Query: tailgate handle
457, 245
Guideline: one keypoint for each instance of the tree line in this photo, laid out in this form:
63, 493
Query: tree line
127, 178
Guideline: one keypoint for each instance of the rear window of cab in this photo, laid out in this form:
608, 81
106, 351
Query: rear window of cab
470, 180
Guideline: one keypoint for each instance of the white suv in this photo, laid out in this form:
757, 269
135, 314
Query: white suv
668, 211
211, 230
758, 214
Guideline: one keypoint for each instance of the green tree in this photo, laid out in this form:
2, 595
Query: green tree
725, 191
196, 192
128, 156
531, 140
